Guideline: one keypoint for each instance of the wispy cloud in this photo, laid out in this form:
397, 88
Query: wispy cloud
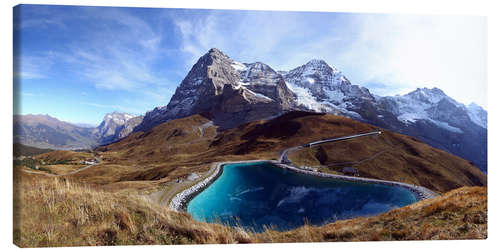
32, 67
247, 36
115, 52
121, 57
105, 106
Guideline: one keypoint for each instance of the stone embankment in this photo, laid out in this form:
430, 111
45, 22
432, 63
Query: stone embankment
420, 192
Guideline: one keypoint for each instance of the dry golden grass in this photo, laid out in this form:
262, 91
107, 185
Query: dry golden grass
62, 169
65, 155
52, 211
391, 156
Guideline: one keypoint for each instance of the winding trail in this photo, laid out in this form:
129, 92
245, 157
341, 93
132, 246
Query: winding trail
51, 174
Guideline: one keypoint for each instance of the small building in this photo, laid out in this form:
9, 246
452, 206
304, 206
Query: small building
91, 162
350, 171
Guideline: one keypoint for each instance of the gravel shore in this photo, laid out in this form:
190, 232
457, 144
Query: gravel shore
180, 200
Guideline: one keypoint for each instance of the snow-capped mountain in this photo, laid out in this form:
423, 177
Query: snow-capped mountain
478, 115
232, 93
116, 126
322, 88
428, 104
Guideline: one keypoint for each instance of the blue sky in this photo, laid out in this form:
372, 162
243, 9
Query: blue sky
79, 63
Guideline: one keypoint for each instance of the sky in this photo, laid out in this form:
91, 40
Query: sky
78, 63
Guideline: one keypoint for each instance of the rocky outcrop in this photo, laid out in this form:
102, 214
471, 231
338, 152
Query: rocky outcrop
128, 127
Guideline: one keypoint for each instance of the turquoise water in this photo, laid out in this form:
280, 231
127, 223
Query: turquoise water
256, 195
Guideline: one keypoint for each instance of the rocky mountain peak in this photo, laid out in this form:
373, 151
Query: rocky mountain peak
117, 118
259, 73
427, 95
477, 114
215, 51
217, 83
475, 106
205, 79
323, 88
319, 64
316, 72
111, 125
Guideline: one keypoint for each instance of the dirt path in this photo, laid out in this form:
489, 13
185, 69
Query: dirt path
50, 174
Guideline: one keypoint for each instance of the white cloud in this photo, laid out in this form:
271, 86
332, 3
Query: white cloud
406, 52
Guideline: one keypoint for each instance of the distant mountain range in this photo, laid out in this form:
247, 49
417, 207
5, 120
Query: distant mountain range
44, 131
231, 93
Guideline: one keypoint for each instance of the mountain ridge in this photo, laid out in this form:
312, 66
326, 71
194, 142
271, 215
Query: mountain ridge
428, 114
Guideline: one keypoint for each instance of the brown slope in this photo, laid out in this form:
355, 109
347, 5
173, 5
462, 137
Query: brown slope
178, 147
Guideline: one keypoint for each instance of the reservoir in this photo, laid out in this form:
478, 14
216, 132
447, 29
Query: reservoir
259, 194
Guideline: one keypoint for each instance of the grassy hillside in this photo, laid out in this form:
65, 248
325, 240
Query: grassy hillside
23, 150
52, 211
176, 148
395, 157
65, 156
61, 213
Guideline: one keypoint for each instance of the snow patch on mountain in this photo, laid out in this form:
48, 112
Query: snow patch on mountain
261, 96
446, 126
477, 115
238, 66
421, 105
335, 96
305, 98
